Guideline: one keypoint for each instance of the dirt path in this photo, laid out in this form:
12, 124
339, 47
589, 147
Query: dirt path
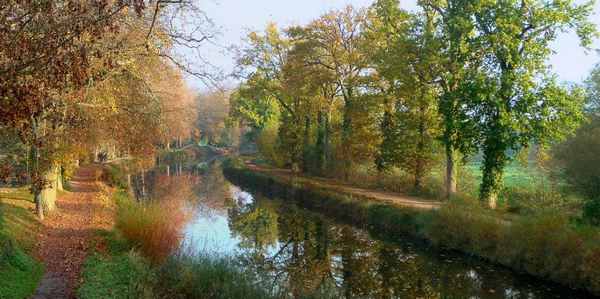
387, 197
63, 244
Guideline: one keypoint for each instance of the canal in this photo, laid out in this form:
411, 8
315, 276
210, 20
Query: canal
298, 253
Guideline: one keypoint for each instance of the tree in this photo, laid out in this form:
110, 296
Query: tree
45, 53
339, 48
579, 155
517, 101
213, 110
51, 52
263, 63
592, 84
457, 53
405, 58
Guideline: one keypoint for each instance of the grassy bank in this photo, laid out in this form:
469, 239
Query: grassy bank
19, 272
138, 259
547, 245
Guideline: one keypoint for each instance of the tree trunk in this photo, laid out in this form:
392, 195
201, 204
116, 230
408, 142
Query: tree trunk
321, 145
420, 163
493, 171
326, 142
48, 194
130, 189
418, 175
305, 145
450, 172
143, 184
38, 204
347, 134
96, 154
34, 170
59, 179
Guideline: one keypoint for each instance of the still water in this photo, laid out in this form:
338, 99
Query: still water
300, 253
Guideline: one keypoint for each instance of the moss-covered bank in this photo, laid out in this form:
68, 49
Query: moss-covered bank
547, 245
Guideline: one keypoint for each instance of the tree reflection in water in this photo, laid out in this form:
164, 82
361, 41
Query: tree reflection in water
304, 255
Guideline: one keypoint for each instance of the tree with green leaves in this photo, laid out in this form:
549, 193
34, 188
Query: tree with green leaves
457, 53
405, 59
266, 63
514, 97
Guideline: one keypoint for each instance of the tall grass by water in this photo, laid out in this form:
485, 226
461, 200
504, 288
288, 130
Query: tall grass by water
155, 227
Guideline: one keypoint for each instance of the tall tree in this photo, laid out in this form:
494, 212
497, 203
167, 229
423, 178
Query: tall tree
518, 100
339, 47
457, 53
406, 59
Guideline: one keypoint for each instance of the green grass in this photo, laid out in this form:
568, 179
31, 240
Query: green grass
115, 270
19, 273
526, 190
124, 275
515, 174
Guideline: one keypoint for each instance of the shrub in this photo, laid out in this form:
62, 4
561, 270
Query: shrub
549, 246
579, 157
114, 176
267, 143
546, 245
119, 271
154, 227
591, 211
467, 227
390, 221
590, 267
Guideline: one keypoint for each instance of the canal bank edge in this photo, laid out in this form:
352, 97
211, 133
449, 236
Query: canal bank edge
547, 246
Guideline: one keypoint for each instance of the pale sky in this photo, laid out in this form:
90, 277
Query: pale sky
236, 17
